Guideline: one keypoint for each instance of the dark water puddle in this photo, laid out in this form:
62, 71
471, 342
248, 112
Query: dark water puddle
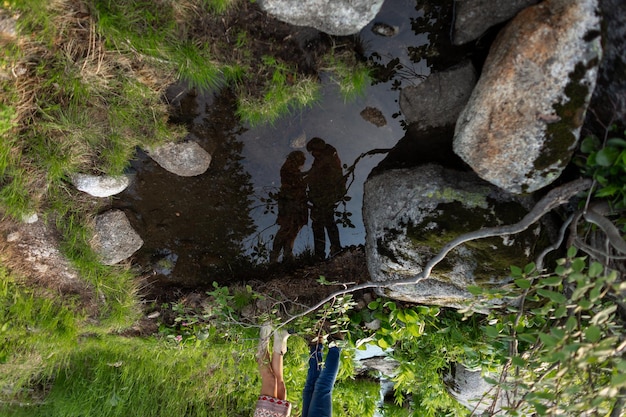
198, 229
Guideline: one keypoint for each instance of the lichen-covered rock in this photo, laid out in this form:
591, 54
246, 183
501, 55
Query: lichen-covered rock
335, 17
115, 239
100, 186
410, 214
522, 122
186, 159
472, 18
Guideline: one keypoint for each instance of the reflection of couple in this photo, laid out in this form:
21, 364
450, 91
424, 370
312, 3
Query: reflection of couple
326, 187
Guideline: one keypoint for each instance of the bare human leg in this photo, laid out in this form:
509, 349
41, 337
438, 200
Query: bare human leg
268, 379
280, 348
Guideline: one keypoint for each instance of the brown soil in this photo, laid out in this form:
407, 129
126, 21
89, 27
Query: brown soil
31, 252
293, 288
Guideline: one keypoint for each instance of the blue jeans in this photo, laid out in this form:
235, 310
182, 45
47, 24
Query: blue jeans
318, 389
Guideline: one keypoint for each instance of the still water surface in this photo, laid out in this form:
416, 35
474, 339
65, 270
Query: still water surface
195, 226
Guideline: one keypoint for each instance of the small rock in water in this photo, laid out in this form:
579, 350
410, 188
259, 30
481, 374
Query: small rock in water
384, 29
299, 141
374, 116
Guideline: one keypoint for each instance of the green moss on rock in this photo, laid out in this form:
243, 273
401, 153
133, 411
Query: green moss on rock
560, 138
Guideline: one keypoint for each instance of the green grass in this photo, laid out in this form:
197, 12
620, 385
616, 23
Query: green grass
151, 30
32, 328
114, 285
15, 195
116, 376
219, 6
79, 373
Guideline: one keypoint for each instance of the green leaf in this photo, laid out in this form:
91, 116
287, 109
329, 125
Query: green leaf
578, 264
616, 142
551, 281
618, 380
523, 283
606, 156
517, 361
382, 343
589, 144
580, 292
560, 312
595, 292
411, 316
390, 305
571, 323
608, 191
595, 269
373, 305
414, 330
571, 252
560, 270
516, 271
593, 333
527, 337
548, 340
401, 316
554, 296
490, 380
529, 268
541, 409
491, 331
558, 333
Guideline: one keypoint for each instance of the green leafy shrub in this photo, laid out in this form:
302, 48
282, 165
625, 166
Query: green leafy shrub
565, 337
426, 341
606, 163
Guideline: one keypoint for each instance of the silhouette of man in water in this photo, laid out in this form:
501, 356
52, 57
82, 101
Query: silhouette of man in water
327, 186
293, 212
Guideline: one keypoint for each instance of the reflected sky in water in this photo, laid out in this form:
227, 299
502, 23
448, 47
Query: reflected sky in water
341, 125
190, 225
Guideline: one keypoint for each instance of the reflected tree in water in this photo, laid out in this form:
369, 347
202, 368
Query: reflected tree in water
199, 221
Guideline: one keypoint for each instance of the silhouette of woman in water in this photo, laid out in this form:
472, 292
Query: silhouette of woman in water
293, 212
327, 186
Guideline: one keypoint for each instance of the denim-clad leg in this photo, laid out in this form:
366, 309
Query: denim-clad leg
315, 366
321, 403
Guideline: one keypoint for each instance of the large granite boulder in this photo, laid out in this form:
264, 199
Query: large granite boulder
410, 214
472, 18
335, 17
522, 122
